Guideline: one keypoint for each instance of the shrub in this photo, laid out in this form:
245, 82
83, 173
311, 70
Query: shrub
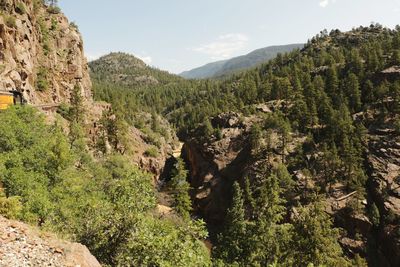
74, 26
10, 207
53, 9
42, 84
20, 8
45, 36
54, 25
10, 22
151, 152
64, 110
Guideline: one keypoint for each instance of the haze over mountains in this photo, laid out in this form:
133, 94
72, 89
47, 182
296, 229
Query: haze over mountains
224, 67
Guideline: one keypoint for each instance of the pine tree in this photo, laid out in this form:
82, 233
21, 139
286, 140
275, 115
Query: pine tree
180, 190
232, 242
77, 109
315, 240
353, 92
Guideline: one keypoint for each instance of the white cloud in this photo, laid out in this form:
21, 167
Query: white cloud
224, 46
324, 3
92, 57
146, 59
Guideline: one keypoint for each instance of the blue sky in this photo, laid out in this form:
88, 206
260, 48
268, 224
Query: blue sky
178, 35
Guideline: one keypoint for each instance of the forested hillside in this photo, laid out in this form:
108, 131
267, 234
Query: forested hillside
300, 168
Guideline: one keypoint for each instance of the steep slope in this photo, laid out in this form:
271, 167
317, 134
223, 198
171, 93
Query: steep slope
226, 67
41, 53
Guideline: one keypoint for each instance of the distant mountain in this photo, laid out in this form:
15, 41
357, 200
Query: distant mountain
223, 67
125, 69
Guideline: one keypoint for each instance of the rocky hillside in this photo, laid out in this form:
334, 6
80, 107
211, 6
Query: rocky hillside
230, 66
41, 53
23, 245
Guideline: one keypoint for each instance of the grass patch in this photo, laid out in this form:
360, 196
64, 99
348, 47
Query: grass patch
152, 152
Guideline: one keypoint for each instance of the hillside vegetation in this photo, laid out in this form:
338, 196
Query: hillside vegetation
70, 169
335, 95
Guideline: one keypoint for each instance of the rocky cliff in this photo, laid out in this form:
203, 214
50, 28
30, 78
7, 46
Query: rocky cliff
383, 161
22, 245
41, 53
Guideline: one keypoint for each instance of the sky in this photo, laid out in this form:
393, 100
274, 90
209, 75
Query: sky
178, 35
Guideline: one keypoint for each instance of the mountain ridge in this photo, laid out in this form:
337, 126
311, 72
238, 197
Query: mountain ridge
229, 66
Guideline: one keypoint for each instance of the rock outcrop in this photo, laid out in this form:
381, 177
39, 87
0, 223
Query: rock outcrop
41, 53
22, 245
384, 165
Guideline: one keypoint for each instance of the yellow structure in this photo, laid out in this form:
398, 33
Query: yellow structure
6, 100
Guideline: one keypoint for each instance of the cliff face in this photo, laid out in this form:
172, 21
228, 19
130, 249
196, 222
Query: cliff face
41, 53
384, 165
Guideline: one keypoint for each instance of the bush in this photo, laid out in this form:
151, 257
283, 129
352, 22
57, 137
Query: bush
45, 36
10, 207
11, 22
106, 205
42, 84
53, 9
20, 8
74, 26
152, 152
54, 25
64, 110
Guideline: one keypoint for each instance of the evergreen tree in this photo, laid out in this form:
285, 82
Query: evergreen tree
232, 242
180, 188
315, 240
353, 92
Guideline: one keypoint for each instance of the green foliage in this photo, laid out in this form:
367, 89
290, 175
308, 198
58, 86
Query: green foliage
374, 214
316, 92
54, 25
255, 138
116, 130
53, 9
10, 207
315, 240
232, 242
20, 8
45, 36
151, 152
74, 26
180, 190
42, 83
106, 205
10, 21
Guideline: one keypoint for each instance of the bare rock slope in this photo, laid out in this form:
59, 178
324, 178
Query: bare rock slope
22, 245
